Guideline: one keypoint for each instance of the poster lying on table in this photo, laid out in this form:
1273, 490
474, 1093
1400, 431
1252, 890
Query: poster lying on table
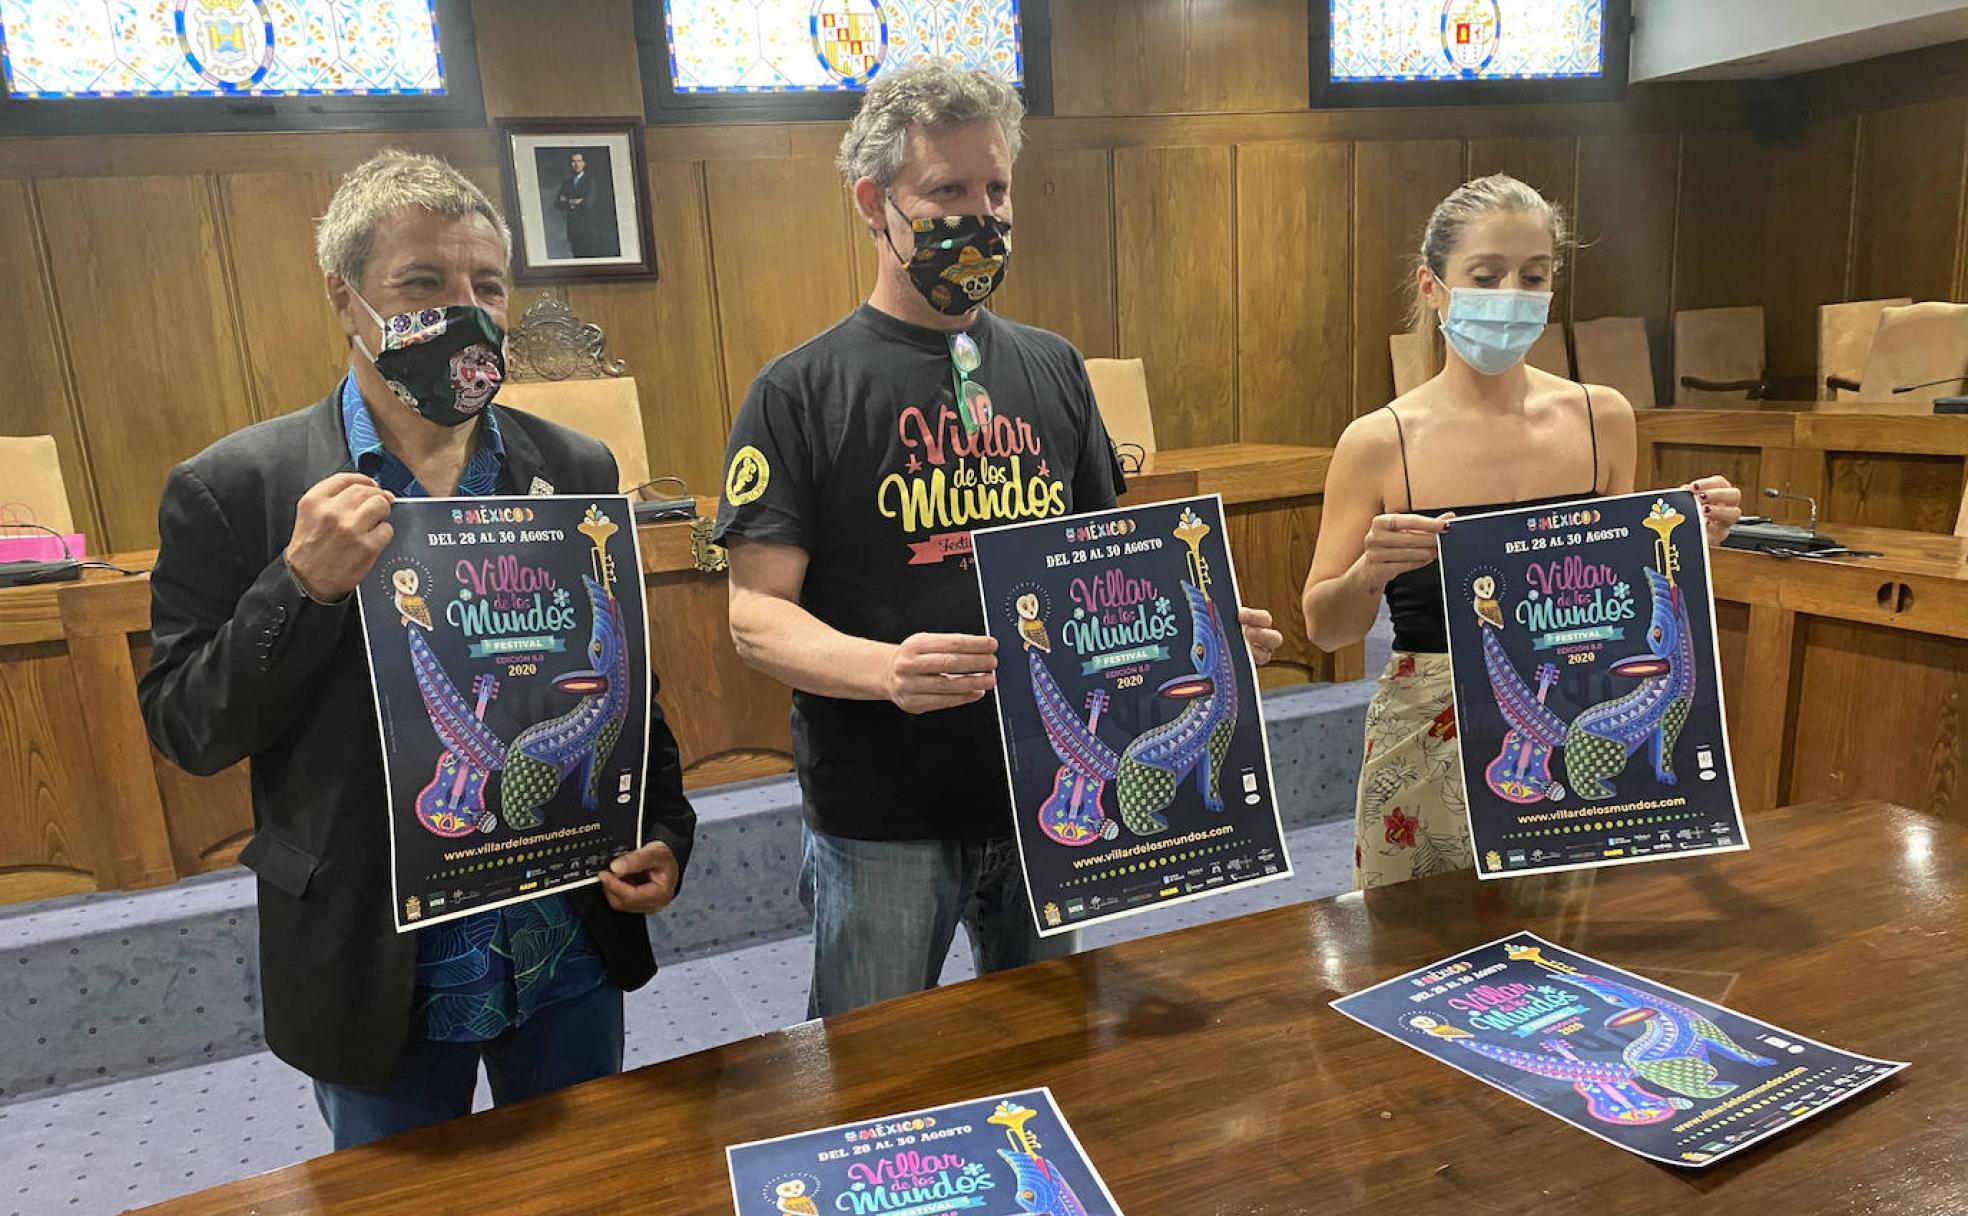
1588, 696
1140, 773
510, 663
1012, 1153
1653, 1070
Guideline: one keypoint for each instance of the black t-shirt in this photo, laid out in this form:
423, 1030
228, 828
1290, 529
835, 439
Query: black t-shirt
850, 448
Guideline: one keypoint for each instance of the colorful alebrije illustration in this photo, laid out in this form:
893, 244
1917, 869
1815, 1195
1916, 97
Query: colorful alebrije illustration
583, 737
1042, 1189
1198, 739
1600, 741
1672, 1050
1612, 1091
1148, 773
1605, 737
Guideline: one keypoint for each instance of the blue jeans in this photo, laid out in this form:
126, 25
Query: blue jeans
564, 1044
886, 911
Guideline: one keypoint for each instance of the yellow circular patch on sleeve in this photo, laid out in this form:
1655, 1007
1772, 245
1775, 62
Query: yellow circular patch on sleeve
748, 476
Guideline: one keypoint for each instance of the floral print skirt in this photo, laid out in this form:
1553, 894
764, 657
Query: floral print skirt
1410, 818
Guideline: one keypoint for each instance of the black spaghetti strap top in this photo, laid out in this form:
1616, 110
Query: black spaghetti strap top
1414, 598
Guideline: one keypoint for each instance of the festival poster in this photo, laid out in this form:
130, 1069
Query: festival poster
995, 1156
1133, 733
509, 657
1588, 697
1640, 1065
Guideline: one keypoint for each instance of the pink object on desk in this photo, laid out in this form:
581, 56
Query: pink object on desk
40, 547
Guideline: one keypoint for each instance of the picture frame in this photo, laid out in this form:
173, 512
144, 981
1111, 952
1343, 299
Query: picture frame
553, 168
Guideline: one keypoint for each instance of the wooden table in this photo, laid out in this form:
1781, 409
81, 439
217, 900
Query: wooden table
86, 805
1891, 465
1848, 677
1205, 1075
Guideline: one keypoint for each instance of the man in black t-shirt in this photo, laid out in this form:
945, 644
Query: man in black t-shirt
857, 467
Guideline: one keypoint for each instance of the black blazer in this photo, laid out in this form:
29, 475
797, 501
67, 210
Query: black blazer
245, 666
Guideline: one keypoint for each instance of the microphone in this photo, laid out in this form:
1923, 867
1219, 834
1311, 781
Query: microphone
1773, 492
1907, 388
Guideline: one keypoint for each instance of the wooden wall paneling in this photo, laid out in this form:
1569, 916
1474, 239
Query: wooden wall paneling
731, 722
1395, 187
1173, 233
1918, 493
1062, 265
1718, 241
770, 296
48, 840
1550, 164
571, 58
1676, 464
864, 252
149, 321
1807, 233
667, 332
1178, 56
295, 351
1271, 546
37, 398
1907, 229
1294, 279
1880, 710
1626, 237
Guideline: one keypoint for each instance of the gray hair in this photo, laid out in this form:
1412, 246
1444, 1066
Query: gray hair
380, 187
1465, 205
934, 94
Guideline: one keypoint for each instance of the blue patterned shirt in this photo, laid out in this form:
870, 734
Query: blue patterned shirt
480, 975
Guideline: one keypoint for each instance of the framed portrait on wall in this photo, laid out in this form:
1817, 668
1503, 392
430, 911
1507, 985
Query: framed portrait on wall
577, 196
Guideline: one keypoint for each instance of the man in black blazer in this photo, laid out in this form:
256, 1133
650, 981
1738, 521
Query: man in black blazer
258, 655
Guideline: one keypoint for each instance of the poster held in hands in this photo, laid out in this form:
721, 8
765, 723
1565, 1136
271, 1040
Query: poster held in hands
1127, 699
509, 658
1588, 694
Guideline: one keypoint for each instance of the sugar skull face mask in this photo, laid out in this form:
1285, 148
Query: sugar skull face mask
957, 260
445, 363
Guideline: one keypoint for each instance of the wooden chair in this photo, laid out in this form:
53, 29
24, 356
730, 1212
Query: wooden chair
1613, 351
1120, 390
1918, 344
1718, 355
1845, 333
1551, 352
30, 469
559, 369
1417, 356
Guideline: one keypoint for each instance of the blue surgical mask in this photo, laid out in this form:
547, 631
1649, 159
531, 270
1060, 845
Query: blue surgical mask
1493, 328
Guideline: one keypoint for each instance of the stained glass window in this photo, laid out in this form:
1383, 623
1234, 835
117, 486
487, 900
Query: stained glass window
815, 46
56, 49
1467, 39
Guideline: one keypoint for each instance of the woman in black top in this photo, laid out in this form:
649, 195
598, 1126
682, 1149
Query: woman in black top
1485, 433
